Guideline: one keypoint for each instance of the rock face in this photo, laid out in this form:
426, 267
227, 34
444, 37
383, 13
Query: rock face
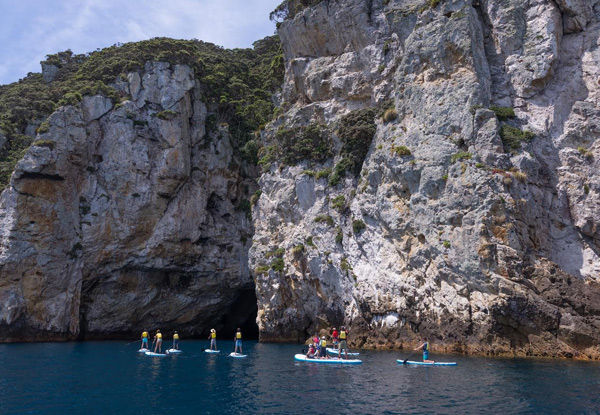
123, 218
484, 242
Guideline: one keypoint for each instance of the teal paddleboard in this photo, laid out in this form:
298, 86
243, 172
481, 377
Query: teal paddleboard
411, 362
331, 360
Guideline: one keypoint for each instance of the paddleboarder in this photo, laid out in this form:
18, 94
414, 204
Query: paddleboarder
334, 338
158, 341
213, 339
238, 341
425, 346
175, 341
145, 340
343, 343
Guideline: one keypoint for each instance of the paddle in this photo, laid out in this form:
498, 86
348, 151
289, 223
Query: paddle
406, 360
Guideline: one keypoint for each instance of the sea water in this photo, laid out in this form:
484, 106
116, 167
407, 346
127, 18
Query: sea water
112, 378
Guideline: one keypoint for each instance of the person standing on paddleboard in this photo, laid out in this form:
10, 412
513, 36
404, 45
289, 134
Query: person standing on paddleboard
145, 340
334, 338
323, 349
343, 343
176, 341
158, 341
425, 346
238, 341
213, 339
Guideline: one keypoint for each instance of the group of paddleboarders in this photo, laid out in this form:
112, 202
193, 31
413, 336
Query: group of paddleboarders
317, 349
157, 341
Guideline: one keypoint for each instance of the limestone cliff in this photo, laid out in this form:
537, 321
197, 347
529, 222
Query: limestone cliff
473, 218
125, 217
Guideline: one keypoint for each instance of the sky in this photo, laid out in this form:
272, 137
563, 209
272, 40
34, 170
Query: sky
32, 29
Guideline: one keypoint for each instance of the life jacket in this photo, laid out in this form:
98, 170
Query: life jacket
159, 336
425, 347
145, 334
213, 335
343, 335
238, 335
176, 336
335, 334
323, 343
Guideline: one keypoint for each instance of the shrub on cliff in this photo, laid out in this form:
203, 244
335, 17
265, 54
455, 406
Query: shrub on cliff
512, 137
312, 142
356, 131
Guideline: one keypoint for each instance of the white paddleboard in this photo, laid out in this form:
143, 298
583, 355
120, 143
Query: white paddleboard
334, 360
173, 351
155, 354
331, 350
143, 350
238, 355
411, 362
211, 351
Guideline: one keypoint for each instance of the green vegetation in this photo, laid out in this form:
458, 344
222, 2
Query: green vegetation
249, 152
520, 176
324, 219
512, 137
446, 244
277, 265
278, 253
587, 154
309, 242
344, 265
402, 151
503, 113
462, 155
323, 174
244, 206
286, 11
339, 236
43, 128
267, 156
358, 225
445, 177
166, 114
356, 131
310, 173
239, 82
254, 198
45, 143
586, 189
480, 166
74, 252
312, 142
340, 170
262, 269
339, 203
389, 115
298, 250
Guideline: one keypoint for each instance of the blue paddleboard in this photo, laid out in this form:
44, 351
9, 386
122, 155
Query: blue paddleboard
411, 362
155, 354
211, 351
334, 360
238, 355
336, 351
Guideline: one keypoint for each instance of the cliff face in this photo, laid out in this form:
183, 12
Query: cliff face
433, 171
124, 217
479, 191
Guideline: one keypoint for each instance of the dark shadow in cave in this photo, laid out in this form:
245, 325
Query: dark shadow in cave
242, 314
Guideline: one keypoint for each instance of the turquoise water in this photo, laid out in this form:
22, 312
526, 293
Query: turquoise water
111, 378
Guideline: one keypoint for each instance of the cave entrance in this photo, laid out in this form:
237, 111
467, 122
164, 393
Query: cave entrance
242, 313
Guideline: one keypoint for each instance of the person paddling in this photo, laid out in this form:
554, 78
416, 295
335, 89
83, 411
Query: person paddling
238, 341
145, 340
158, 341
334, 338
343, 343
213, 339
425, 346
175, 341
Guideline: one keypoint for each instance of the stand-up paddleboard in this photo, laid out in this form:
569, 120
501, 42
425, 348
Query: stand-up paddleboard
411, 362
303, 358
143, 350
211, 351
173, 351
336, 351
238, 355
155, 354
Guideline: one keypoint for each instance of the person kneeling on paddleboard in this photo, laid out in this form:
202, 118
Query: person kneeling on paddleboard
213, 339
176, 341
238, 341
145, 340
158, 340
311, 351
425, 346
